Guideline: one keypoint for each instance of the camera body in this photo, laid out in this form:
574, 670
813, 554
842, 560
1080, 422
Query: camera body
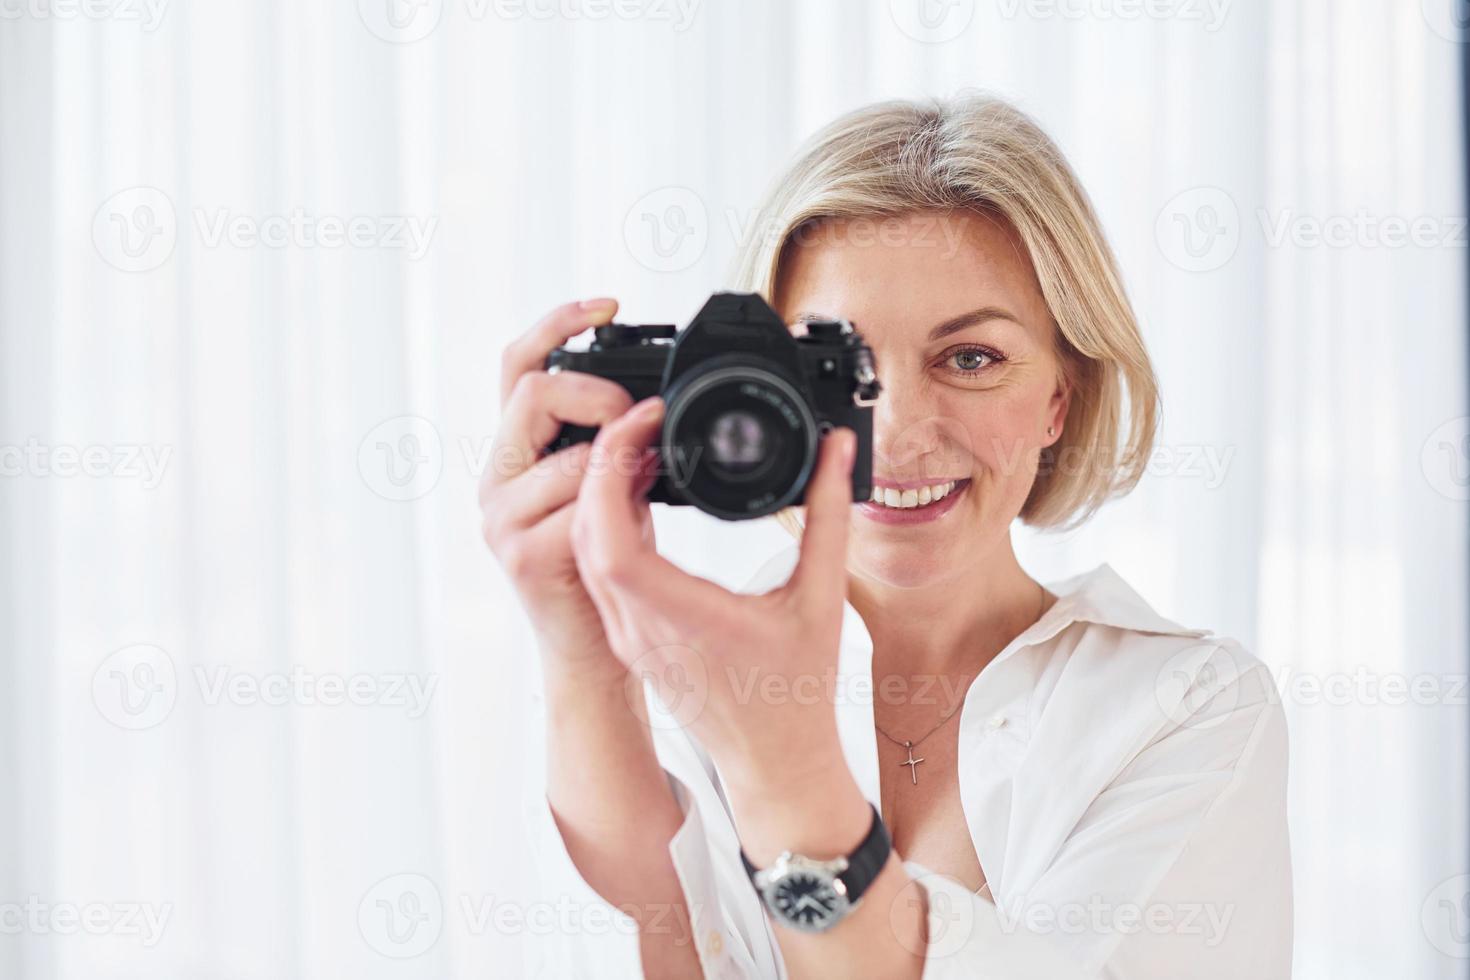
745, 402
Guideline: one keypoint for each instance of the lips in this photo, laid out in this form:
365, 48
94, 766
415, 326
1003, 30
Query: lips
913, 501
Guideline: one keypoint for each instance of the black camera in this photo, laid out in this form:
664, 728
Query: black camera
745, 402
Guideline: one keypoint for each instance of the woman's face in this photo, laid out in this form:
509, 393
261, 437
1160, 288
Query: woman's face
971, 380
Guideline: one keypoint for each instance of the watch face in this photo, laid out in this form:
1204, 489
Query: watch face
806, 900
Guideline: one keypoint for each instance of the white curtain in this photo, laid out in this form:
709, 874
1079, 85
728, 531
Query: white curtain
263, 695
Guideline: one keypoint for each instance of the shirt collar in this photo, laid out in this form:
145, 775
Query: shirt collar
1099, 596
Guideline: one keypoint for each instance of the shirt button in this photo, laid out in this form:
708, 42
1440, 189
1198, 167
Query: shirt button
714, 943
997, 722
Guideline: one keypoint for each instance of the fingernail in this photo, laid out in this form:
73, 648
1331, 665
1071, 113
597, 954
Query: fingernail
601, 303
649, 407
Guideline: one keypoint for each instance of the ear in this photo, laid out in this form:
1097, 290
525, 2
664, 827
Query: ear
1056, 410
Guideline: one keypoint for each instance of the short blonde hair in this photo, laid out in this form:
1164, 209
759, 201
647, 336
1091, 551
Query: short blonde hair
981, 154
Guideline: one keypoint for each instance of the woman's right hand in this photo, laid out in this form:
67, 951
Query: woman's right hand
527, 501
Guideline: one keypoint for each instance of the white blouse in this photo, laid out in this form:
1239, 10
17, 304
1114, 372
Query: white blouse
1124, 783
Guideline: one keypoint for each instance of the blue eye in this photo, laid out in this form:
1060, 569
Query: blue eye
971, 360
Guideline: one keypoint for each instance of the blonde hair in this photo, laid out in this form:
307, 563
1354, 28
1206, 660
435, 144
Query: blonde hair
981, 154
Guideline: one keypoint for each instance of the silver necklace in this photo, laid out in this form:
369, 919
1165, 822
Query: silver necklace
910, 745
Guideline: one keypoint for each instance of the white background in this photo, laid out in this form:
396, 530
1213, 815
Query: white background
1326, 380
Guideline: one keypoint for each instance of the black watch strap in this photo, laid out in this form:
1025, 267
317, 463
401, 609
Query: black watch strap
863, 864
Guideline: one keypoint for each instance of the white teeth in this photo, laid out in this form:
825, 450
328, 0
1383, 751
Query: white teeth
905, 499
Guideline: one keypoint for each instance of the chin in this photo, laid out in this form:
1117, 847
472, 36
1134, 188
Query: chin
902, 564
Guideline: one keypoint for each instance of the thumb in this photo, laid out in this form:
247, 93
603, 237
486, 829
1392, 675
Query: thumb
820, 574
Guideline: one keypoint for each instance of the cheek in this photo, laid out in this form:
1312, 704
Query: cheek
999, 432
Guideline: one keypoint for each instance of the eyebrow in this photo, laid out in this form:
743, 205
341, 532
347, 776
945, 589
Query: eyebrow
953, 325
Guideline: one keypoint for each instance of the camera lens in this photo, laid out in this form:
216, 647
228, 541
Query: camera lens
739, 445
739, 441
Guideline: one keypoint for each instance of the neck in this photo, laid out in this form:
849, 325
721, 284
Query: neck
953, 626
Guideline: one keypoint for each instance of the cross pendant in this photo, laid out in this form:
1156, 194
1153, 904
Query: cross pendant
912, 763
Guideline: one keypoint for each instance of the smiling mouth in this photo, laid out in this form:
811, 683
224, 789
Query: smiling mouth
914, 498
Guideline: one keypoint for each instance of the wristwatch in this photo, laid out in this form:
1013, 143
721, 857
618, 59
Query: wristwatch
813, 896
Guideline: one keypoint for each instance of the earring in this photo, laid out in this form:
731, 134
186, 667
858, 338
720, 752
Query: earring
1051, 430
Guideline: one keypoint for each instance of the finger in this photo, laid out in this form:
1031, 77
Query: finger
541, 549
615, 553
528, 351
539, 405
820, 574
540, 490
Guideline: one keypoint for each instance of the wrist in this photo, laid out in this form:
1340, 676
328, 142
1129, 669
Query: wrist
815, 809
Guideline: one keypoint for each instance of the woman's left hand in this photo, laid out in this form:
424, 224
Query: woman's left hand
751, 674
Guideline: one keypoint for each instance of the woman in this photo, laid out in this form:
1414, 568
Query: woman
1070, 784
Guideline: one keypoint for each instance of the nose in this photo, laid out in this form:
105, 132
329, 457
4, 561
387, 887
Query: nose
908, 429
